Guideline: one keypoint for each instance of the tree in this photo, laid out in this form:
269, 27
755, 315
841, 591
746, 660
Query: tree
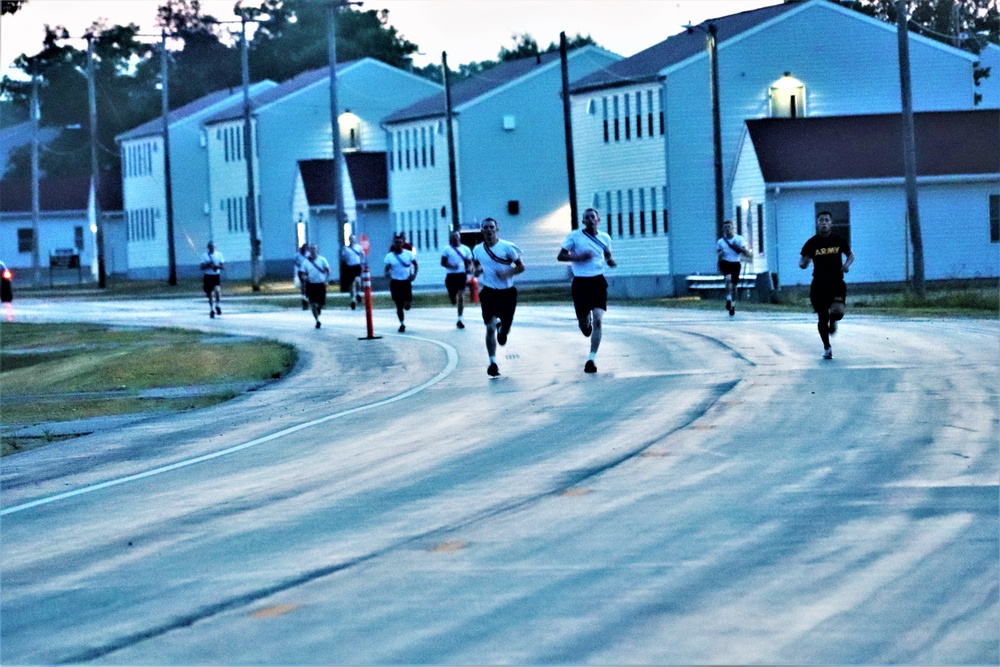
11, 6
294, 39
966, 24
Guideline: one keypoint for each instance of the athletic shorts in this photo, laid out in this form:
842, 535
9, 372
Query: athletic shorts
401, 291
455, 283
210, 281
316, 293
351, 272
589, 293
498, 303
822, 294
731, 269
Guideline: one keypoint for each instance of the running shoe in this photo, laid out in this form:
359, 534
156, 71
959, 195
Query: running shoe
406, 306
402, 328
587, 329
590, 366
317, 324
828, 354
502, 337
353, 305
493, 370
211, 313
459, 324
218, 311
732, 310
833, 327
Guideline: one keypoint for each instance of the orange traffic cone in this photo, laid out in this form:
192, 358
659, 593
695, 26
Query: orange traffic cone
473, 288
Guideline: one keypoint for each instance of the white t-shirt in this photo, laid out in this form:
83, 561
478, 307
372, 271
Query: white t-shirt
352, 254
456, 257
579, 241
399, 265
314, 269
506, 253
728, 254
216, 260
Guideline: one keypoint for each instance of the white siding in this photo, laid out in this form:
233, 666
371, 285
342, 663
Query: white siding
749, 192
144, 202
634, 163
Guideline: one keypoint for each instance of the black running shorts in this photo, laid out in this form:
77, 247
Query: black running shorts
401, 291
455, 283
210, 281
316, 293
498, 303
588, 293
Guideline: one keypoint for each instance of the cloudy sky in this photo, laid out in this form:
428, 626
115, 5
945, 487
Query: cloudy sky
469, 30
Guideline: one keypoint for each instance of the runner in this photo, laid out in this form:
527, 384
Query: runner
828, 291
589, 251
497, 262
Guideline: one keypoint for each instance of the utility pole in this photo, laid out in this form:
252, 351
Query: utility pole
35, 203
910, 149
713, 54
251, 205
568, 125
95, 176
456, 224
165, 108
338, 156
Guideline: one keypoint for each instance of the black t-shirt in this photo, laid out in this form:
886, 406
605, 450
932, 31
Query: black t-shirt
825, 254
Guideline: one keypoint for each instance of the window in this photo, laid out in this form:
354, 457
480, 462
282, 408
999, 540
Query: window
423, 146
605, 100
78, 237
431, 133
665, 226
621, 208
642, 210
392, 151
638, 115
760, 228
662, 126
615, 104
652, 207
631, 213
25, 239
649, 110
994, 218
628, 116
407, 149
739, 220
607, 215
840, 211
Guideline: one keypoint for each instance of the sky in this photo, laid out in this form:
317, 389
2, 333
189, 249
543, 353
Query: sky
468, 30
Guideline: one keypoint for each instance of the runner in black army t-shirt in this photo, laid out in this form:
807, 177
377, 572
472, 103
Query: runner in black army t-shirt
828, 291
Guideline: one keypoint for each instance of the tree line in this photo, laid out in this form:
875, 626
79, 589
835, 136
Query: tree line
290, 38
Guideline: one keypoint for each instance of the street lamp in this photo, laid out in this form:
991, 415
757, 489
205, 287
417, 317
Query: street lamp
713, 60
338, 187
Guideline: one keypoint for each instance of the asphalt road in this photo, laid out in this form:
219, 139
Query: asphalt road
716, 494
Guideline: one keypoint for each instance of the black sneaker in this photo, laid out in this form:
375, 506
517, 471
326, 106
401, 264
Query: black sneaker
406, 306
402, 328
501, 337
493, 370
590, 366
833, 327
353, 305
587, 329
317, 324
732, 310
459, 324
211, 314
218, 311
